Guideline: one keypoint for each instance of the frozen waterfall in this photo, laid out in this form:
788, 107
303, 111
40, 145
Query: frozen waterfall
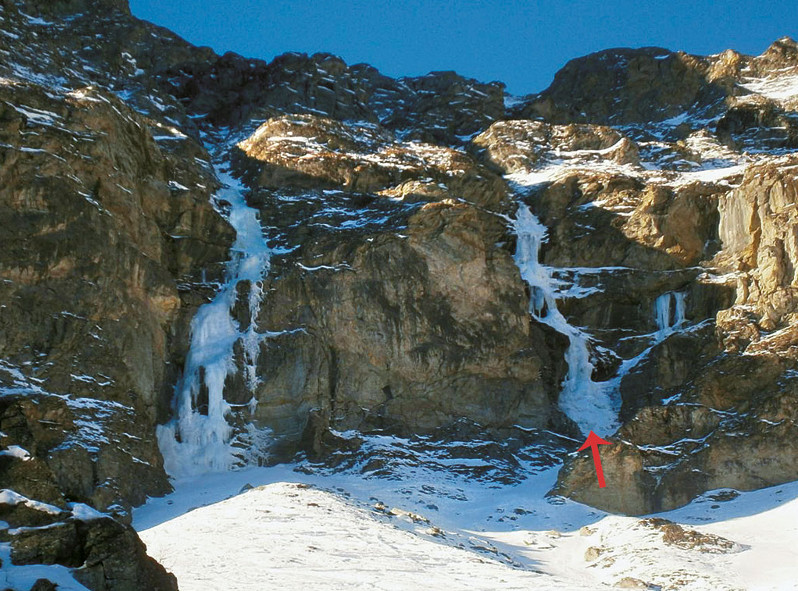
589, 404
198, 439
670, 312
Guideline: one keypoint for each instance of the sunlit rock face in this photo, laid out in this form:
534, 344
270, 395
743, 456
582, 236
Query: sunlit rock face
213, 261
400, 305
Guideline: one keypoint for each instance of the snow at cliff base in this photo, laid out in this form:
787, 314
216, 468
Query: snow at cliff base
298, 531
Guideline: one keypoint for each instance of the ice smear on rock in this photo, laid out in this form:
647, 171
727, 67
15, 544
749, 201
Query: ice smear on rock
589, 404
199, 438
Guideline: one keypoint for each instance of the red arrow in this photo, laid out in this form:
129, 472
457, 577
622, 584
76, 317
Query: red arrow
593, 441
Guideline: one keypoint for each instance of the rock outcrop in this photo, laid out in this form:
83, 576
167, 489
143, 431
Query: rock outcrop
105, 554
618, 86
731, 420
100, 232
109, 244
682, 277
638, 87
231, 90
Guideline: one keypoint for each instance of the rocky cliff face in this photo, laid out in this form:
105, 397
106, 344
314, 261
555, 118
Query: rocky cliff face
618, 249
401, 279
702, 228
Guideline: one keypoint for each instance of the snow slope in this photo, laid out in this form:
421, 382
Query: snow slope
289, 537
345, 531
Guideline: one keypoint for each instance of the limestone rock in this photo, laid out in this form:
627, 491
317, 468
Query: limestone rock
674, 534
92, 255
43, 585
732, 428
756, 229
447, 336
631, 583
230, 90
620, 239
431, 321
104, 553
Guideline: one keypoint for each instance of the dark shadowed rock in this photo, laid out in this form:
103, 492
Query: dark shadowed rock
44, 585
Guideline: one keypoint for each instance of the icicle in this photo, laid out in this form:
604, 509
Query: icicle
589, 404
663, 312
679, 299
199, 439
670, 312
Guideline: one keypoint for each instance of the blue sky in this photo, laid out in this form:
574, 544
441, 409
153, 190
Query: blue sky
521, 43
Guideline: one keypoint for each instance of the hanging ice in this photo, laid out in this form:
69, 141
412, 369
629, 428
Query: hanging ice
198, 439
589, 404
670, 312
